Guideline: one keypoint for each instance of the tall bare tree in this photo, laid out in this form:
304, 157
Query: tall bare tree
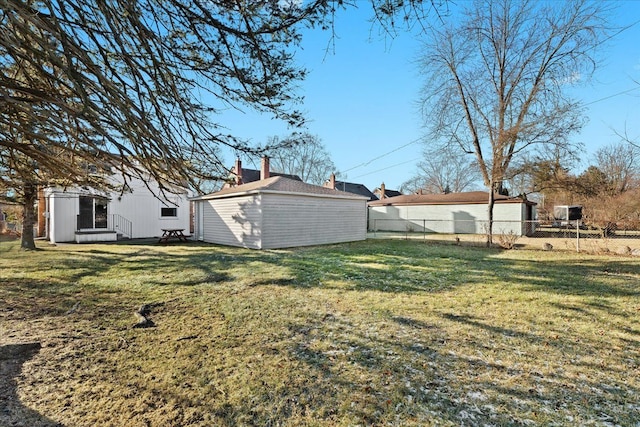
443, 170
497, 79
303, 155
620, 163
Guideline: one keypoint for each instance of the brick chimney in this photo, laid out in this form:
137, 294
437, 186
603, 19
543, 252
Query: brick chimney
238, 172
382, 195
331, 183
264, 168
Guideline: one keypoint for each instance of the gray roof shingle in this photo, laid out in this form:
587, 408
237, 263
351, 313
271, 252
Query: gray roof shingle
279, 184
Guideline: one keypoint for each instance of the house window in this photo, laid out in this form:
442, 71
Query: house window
168, 212
93, 212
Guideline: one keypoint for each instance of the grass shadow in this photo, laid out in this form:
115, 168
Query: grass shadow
12, 411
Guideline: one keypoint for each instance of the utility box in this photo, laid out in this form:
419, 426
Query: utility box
566, 215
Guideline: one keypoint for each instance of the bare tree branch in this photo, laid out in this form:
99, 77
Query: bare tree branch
303, 155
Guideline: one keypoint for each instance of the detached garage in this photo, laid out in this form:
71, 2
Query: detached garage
279, 212
454, 213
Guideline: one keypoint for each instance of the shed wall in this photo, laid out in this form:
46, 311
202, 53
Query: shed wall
301, 220
234, 221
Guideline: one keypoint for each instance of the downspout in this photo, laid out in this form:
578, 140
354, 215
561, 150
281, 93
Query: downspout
46, 216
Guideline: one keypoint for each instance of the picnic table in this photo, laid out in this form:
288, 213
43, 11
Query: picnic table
175, 233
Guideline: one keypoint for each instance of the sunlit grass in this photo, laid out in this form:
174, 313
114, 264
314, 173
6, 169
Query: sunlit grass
368, 333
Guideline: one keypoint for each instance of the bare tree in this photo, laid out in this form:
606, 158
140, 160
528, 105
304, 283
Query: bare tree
620, 164
443, 171
496, 81
543, 174
303, 155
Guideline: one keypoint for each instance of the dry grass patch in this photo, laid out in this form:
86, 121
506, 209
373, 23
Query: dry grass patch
370, 333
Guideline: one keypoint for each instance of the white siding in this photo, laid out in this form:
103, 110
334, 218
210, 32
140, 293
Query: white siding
143, 209
233, 221
140, 207
304, 220
63, 211
269, 221
508, 217
199, 220
452, 219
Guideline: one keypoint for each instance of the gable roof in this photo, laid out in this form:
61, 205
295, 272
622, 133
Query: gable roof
282, 185
352, 187
472, 197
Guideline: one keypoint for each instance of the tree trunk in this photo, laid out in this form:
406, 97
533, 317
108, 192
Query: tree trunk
28, 217
492, 201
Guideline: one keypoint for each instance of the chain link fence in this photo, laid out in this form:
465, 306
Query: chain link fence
595, 235
535, 229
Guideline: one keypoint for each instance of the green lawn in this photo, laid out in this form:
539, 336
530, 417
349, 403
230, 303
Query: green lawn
381, 333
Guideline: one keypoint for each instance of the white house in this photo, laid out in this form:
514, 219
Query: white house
279, 212
454, 213
86, 215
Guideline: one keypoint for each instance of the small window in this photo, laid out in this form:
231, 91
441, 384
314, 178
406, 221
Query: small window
168, 212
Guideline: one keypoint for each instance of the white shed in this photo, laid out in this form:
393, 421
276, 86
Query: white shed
454, 213
279, 212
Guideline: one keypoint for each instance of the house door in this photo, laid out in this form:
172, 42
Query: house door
93, 213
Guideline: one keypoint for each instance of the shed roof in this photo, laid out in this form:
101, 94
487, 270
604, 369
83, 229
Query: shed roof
472, 197
282, 185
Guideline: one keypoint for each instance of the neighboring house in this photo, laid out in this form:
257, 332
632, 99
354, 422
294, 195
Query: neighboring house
382, 192
10, 217
279, 212
240, 175
456, 213
86, 215
350, 187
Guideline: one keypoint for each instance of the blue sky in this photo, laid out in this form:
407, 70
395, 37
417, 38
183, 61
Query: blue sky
361, 98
